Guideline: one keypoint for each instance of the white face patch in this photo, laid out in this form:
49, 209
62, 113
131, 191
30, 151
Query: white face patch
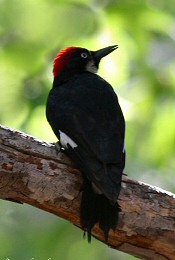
91, 67
65, 140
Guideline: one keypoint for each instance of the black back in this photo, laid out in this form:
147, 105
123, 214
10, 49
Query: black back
86, 109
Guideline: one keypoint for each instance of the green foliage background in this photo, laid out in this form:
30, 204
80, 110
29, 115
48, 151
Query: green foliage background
142, 71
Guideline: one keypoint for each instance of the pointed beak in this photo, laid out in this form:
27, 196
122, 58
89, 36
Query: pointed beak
98, 55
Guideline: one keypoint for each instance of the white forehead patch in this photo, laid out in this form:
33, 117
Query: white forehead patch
65, 140
91, 67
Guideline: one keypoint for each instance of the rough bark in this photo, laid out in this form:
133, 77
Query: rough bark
34, 172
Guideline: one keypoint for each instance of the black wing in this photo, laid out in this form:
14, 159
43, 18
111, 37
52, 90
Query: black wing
87, 110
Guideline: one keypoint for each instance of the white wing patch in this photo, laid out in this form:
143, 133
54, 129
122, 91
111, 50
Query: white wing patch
124, 148
65, 140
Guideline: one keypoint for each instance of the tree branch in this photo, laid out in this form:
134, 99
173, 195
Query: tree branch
34, 172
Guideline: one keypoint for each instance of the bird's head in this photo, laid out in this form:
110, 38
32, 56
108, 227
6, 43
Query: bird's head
75, 60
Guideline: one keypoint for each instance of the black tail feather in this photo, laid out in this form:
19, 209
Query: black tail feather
89, 214
97, 208
108, 215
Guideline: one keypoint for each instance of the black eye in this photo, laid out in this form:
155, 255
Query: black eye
84, 55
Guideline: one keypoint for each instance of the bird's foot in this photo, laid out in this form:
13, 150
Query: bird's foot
57, 146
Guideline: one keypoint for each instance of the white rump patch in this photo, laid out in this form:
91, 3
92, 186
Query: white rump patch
65, 140
91, 67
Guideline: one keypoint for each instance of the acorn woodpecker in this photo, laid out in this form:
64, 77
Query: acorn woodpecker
84, 113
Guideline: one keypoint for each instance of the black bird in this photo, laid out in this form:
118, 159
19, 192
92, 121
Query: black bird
84, 113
